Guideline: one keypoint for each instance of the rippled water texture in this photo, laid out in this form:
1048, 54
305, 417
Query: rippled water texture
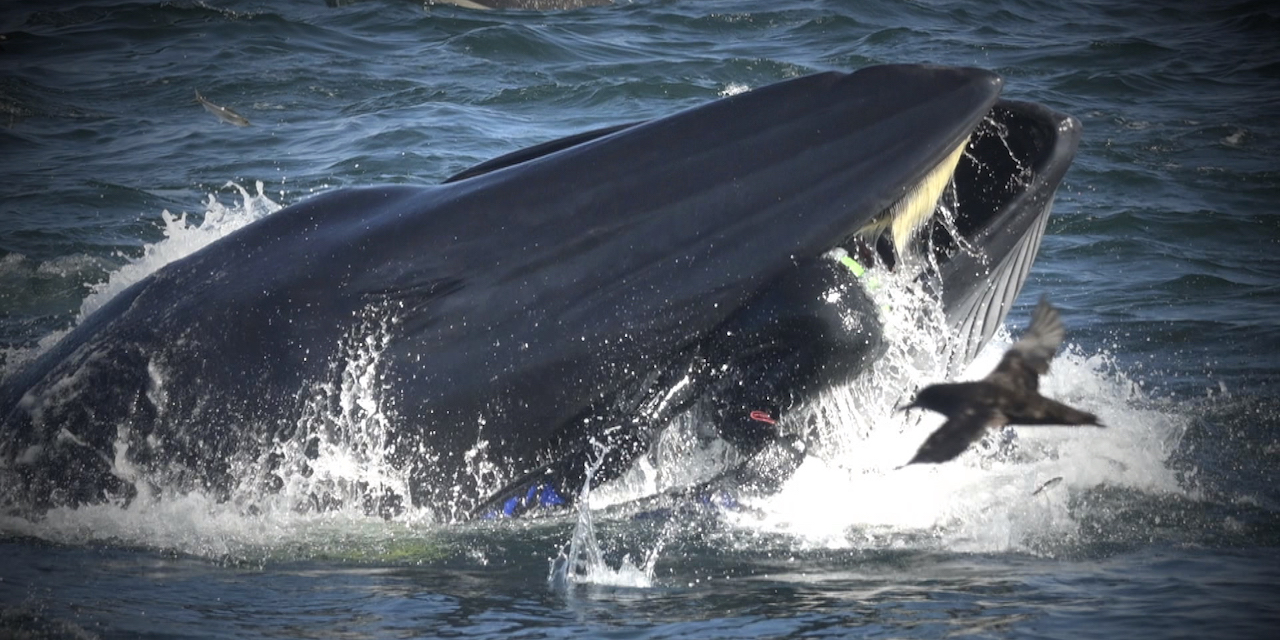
1163, 253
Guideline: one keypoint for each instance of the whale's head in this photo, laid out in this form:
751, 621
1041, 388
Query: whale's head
741, 218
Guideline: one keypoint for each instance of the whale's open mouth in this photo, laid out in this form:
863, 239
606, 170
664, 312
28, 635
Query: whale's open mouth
976, 219
1003, 191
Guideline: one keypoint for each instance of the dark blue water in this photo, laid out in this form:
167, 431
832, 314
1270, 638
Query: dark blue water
1163, 252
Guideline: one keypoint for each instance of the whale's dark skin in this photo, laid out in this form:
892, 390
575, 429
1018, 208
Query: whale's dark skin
585, 290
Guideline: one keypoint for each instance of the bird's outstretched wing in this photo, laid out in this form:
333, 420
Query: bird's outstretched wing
956, 434
1043, 411
1029, 357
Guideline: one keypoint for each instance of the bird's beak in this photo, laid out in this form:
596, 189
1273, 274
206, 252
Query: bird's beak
902, 408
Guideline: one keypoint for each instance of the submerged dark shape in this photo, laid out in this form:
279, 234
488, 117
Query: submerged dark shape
500, 329
1008, 395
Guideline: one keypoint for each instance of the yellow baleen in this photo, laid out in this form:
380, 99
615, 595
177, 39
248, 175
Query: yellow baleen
906, 216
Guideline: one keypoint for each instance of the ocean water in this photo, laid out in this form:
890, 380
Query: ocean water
1163, 253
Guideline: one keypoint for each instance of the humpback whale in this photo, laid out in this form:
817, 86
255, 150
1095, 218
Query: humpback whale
556, 306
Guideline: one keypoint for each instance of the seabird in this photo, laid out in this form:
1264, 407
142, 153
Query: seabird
1008, 395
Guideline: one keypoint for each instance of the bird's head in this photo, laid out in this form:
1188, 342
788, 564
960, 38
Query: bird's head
932, 397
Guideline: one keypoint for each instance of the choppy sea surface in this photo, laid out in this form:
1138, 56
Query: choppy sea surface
1163, 253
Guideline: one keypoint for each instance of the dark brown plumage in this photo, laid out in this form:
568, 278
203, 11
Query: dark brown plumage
1008, 395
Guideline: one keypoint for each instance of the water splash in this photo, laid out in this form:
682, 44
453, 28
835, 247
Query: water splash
582, 559
855, 494
336, 473
323, 489
339, 454
1013, 491
182, 238
345, 423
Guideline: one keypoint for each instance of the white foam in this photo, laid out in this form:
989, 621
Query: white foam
850, 493
985, 500
197, 524
340, 451
582, 561
181, 239
853, 492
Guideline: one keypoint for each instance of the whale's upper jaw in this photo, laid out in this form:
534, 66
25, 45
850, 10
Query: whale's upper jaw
837, 154
917, 132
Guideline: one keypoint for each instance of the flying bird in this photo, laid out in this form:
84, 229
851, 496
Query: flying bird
1008, 395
